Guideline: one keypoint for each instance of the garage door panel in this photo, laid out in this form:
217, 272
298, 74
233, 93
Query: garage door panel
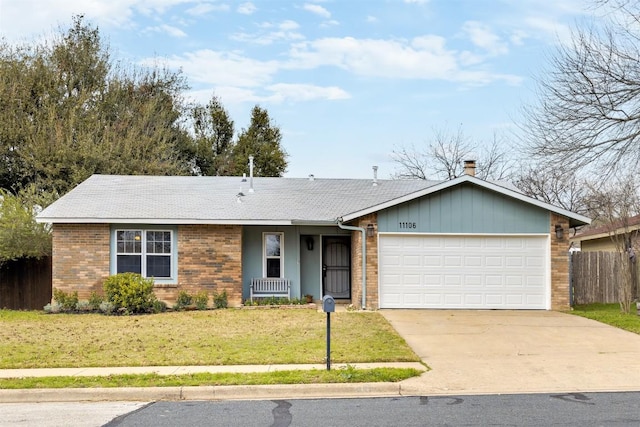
420, 271
473, 300
452, 299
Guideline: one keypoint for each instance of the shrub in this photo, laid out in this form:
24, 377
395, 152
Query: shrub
184, 299
95, 300
83, 306
220, 300
130, 293
201, 300
67, 301
52, 308
159, 306
106, 307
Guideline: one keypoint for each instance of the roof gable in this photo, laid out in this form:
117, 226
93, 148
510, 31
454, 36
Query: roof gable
574, 218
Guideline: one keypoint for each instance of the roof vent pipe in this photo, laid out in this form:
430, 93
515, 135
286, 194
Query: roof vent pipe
250, 174
375, 176
311, 177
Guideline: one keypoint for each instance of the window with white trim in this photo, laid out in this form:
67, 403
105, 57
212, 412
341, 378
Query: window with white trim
147, 252
273, 254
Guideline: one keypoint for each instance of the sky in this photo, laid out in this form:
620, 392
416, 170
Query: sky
347, 81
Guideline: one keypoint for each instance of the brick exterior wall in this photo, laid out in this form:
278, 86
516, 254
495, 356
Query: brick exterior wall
209, 258
80, 259
372, 263
559, 264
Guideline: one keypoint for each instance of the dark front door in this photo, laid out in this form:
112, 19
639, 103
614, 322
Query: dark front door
336, 267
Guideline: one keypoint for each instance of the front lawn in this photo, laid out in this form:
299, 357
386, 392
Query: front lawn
611, 315
217, 337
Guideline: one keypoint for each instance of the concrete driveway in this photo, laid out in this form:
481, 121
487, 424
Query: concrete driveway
483, 352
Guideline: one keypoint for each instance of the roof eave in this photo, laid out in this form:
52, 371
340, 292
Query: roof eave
159, 221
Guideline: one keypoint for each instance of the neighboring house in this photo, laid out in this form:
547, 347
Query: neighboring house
603, 237
463, 243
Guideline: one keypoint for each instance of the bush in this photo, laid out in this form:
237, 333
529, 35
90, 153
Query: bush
184, 299
130, 293
159, 306
95, 300
201, 300
106, 307
220, 300
66, 301
83, 306
52, 308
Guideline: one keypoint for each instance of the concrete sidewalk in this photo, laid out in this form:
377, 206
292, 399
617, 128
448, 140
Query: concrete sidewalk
184, 370
242, 392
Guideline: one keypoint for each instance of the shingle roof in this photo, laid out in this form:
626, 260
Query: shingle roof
604, 230
174, 199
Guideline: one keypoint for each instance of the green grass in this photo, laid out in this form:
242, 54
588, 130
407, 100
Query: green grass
217, 337
344, 375
611, 315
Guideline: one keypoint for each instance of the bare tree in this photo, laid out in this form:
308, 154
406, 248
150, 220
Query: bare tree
614, 205
553, 186
444, 158
588, 109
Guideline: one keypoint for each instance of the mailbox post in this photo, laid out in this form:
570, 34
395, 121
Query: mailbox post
328, 306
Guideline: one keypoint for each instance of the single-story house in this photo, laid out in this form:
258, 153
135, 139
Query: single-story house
465, 243
603, 237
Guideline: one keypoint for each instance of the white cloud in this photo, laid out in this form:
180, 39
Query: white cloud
205, 8
317, 9
288, 25
424, 58
372, 19
222, 68
167, 29
416, 1
482, 36
550, 28
284, 31
247, 8
517, 37
305, 92
47, 16
330, 23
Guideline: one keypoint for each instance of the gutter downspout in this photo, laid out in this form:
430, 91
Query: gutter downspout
364, 257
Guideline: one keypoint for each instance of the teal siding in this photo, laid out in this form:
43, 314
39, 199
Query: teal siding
464, 209
301, 266
310, 266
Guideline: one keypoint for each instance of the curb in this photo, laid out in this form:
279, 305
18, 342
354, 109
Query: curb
147, 394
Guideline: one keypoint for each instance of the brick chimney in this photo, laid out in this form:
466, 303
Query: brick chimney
470, 167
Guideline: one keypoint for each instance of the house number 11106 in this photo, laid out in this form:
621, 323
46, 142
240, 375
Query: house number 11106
407, 225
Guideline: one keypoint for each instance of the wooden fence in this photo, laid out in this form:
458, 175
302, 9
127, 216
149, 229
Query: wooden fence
25, 284
595, 276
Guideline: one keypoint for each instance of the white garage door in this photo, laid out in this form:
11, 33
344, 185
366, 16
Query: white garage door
474, 272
